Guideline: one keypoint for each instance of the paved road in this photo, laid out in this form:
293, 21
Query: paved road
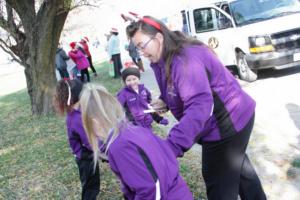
275, 141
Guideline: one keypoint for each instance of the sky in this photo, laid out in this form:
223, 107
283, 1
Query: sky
100, 20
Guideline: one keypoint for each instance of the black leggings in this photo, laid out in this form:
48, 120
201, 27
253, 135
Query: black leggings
90, 179
227, 170
91, 64
85, 72
116, 58
63, 73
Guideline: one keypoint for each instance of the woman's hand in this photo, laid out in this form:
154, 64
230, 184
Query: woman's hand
159, 105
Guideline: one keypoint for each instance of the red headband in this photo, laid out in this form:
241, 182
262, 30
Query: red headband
151, 23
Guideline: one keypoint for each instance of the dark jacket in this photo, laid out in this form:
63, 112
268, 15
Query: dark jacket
133, 52
61, 58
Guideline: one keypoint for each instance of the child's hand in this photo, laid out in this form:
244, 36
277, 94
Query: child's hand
159, 106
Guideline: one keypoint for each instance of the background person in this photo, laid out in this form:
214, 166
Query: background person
84, 42
209, 104
135, 56
61, 62
81, 61
114, 52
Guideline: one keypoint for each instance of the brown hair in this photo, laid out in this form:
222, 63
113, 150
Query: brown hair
66, 95
174, 41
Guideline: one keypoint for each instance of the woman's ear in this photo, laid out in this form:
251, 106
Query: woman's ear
159, 37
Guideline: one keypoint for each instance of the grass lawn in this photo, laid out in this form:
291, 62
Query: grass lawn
35, 160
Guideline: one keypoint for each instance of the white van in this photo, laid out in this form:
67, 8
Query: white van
248, 34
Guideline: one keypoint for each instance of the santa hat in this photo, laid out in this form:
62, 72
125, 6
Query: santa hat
130, 71
73, 45
86, 39
114, 30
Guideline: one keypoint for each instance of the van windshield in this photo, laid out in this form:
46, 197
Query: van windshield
251, 11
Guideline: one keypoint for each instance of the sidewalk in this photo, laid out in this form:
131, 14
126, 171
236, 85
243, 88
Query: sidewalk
9, 72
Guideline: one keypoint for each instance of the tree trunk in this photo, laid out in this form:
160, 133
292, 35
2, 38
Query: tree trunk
42, 37
36, 44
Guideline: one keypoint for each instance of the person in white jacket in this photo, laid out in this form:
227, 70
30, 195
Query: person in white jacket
114, 52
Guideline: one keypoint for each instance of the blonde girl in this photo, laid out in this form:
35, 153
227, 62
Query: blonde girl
145, 165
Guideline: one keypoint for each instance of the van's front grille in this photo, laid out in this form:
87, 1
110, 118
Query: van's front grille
286, 40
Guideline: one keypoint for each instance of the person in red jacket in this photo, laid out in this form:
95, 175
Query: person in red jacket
84, 42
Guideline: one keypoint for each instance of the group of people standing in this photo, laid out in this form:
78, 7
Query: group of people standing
205, 98
76, 63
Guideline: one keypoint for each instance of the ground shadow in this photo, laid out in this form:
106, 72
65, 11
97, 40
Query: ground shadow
273, 73
294, 112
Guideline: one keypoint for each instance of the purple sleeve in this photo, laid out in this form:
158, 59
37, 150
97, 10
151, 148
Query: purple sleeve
73, 141
192, 85
83, 137
127, 164
77, 136
121, 98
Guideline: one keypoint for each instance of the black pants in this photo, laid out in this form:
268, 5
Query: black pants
83, 73
117, 64
227, 170
91, 64
63, 73
90, 179
156, 117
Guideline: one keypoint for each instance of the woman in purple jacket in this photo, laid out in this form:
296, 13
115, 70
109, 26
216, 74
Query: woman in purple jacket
67, 100
145, 165
209, 104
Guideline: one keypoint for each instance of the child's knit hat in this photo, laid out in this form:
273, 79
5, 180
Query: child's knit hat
130, 71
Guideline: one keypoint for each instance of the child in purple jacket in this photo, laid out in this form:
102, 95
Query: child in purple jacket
136, 98
142, 161
67, 100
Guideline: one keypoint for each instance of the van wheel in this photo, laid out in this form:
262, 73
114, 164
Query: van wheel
244, 71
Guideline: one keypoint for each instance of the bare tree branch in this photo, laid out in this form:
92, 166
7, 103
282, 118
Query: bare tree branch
77, 4
8, 50
25, 9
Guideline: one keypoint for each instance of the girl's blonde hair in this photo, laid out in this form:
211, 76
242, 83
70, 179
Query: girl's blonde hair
101, 112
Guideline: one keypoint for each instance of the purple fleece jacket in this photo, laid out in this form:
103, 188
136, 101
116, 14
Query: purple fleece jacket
137, 178
203, 96
136, 103
76, 133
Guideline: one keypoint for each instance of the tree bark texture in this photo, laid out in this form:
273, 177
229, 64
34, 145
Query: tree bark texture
37, 46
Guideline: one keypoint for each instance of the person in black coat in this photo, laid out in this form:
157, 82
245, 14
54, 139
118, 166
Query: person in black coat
60, 62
